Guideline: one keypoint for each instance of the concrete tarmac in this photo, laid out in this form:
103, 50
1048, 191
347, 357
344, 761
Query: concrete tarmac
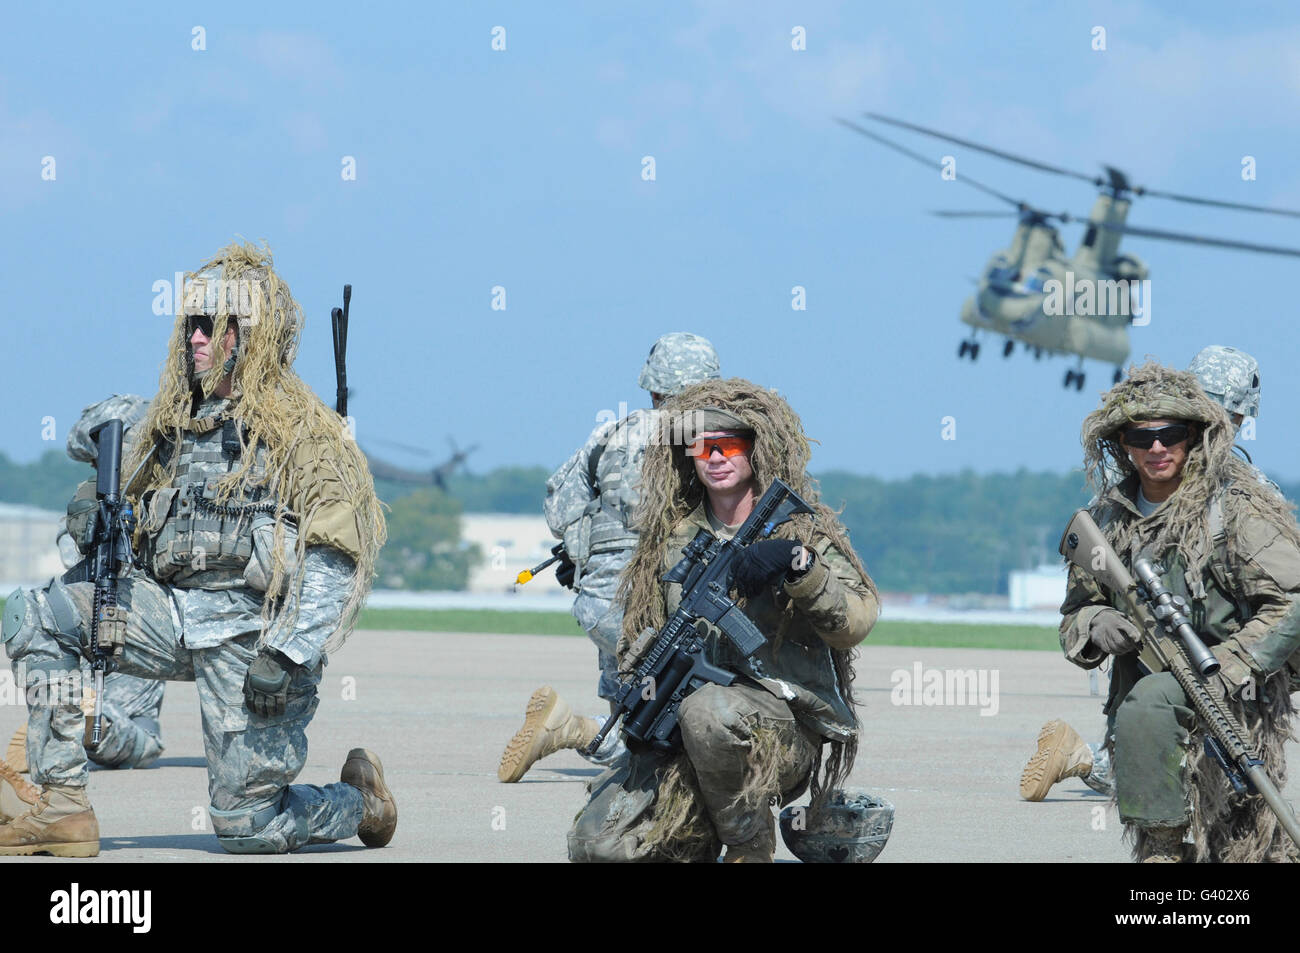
439, 708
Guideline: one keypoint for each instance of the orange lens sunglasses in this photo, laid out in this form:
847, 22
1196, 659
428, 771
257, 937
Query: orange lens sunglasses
730, 445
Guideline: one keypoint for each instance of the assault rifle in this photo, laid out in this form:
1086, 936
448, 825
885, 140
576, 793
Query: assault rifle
110, 552
674, 665
1169, 643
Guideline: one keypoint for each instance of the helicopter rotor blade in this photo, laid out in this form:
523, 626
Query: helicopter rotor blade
418, 451
926, 160
1216, 203
1201, 240
1010, 157
947, 213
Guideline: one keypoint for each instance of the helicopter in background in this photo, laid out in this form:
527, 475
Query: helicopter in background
1056, 304
438, 476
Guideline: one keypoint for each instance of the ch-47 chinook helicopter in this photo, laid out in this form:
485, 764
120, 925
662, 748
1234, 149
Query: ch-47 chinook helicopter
1033, 293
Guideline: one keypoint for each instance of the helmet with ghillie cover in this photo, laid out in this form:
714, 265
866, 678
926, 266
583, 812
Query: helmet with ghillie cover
1230, 377
677, 361
851, 828
240, 284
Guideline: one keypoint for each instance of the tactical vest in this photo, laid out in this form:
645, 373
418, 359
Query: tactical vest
614, 471
190, 540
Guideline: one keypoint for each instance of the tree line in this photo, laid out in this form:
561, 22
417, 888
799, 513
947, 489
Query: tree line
946, 534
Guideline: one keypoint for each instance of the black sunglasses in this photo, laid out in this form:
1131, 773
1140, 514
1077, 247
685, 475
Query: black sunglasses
203, 322
1145, 438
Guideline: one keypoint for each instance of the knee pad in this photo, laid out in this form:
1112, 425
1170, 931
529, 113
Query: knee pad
241, 831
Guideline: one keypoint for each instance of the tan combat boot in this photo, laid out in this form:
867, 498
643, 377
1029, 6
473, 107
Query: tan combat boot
363, 771
17, 794
1061, 754
549, 726
61, 823
16, 753
1162, 845
759, 849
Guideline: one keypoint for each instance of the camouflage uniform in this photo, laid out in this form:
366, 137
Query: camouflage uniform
1229, 546
132, 733
204, 626
591, 499
1229, 377
797, 704
1246, 608
593, 517
224, 520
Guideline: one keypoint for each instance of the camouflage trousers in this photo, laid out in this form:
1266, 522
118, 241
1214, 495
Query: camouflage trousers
132, 736
251, 759
737, 775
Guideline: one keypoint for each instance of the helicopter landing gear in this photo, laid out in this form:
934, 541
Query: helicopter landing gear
1008, 348
1119, 375
969, 347
1075, 378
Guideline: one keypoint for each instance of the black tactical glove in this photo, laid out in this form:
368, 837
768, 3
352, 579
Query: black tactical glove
266, 687
565, 570
764, 564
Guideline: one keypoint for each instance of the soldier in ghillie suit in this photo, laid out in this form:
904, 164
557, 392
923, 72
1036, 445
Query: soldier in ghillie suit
1231, 378
1159, 453
770, 736
589, 504
258, 531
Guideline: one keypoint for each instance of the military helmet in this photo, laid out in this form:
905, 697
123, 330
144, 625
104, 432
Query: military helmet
851, 828
1230, 377
128, 408
677, 361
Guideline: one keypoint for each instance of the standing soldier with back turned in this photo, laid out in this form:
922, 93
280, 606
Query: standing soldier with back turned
589, 505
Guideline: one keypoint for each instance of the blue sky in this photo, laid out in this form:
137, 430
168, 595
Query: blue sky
522, 168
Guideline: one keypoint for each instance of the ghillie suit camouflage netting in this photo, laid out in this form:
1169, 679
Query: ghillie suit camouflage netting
670, 492
314, 468
1223, 829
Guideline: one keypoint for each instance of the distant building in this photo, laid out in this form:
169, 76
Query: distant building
510, 543
1041, 588
28, 552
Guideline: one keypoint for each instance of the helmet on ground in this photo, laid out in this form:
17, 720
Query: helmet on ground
851, 828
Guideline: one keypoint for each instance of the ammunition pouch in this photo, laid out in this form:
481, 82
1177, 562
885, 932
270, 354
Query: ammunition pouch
196, 540
83, 509
110, 633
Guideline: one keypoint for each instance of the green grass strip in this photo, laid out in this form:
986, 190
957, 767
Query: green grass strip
921, 634
939, 635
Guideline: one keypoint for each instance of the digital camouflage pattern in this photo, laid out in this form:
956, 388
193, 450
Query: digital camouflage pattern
677, 361
258, 526
131, 706
594, 520
132, 735
128, 408
591, 499
1230, 377
852, 828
